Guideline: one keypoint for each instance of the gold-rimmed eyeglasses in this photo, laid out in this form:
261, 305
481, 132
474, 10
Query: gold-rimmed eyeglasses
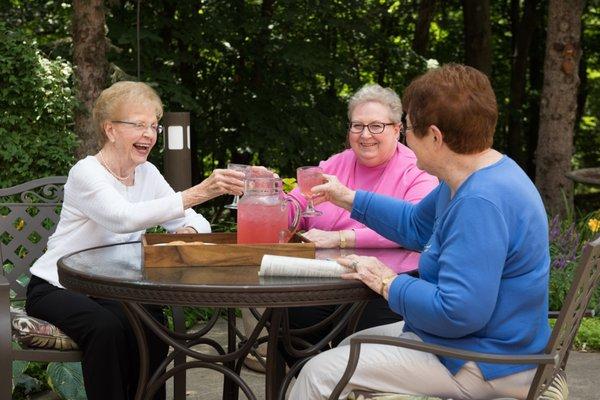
142, 127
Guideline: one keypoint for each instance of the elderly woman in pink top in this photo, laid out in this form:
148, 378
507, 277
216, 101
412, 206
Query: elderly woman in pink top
377, 162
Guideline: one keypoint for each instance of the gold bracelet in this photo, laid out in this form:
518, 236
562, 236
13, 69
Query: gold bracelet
343, 242
385, 282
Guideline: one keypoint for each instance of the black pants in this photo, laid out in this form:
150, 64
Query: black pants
103, 333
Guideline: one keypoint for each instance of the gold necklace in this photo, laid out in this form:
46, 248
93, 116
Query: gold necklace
105, 165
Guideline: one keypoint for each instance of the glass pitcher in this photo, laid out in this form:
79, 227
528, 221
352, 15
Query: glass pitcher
262, 215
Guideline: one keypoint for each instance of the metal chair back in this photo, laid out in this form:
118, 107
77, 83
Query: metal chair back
563, 335
29, 214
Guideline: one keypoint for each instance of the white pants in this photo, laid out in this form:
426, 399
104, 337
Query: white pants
393, 369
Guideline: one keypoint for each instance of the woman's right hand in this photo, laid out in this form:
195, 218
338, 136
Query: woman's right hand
220, 181
334, 192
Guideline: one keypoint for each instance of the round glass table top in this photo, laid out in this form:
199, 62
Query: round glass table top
116, 271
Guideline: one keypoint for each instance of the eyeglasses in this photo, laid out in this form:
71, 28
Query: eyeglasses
141, 127
374, 127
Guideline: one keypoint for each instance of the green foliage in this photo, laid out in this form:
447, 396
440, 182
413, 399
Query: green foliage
265, 82
192, 315
36, 106
567, 238
588, 335
289, 184
28, 378
66, 379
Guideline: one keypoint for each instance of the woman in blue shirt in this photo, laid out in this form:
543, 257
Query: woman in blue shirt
484, 265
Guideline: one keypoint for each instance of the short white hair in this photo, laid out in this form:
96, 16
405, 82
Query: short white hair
376, 93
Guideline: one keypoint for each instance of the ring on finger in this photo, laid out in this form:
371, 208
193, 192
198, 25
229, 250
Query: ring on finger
354, 264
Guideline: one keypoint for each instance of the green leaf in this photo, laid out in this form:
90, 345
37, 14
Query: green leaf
66, 379
18, 368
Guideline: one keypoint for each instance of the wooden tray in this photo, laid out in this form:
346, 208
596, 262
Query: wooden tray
156, 252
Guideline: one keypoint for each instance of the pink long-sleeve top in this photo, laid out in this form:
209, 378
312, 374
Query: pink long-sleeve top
398, 177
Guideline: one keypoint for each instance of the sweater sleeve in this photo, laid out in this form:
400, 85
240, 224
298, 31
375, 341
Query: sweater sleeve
95, 197
470, 270
190, 218
420, 187
409, 225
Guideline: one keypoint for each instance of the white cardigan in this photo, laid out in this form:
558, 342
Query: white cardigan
99, 210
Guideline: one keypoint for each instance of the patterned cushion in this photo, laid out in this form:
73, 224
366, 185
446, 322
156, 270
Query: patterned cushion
558, 389
33, 332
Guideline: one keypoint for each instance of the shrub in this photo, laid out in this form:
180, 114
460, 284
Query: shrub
36, 110
567, 238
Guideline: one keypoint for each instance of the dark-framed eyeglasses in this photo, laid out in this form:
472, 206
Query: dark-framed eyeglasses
142, 127
374, 127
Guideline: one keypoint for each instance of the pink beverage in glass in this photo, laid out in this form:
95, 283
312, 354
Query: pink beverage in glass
309, 178
261, 222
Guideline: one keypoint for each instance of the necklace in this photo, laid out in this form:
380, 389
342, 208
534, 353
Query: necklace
105, 165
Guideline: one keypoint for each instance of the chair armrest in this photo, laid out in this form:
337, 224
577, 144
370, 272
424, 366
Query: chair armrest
589, 313
357, 341
455, 353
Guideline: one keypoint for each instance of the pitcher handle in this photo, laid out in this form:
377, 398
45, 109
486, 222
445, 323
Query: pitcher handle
286, 236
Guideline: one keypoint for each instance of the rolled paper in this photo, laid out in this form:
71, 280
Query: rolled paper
295, 266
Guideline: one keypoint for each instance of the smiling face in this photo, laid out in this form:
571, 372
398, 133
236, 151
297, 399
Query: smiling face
132, 142
373, 149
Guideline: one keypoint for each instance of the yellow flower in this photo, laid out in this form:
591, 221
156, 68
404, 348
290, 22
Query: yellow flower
594, 225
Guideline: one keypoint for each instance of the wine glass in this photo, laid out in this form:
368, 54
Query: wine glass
308, 177
236, 167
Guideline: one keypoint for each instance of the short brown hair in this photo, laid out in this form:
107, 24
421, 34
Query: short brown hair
460, 101
114, 97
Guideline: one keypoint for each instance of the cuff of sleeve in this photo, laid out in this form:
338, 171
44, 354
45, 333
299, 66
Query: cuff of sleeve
360, 204
396, 293
178, 198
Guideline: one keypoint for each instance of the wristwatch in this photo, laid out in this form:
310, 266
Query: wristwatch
386, 282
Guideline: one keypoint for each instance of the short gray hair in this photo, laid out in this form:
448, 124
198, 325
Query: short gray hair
384, 96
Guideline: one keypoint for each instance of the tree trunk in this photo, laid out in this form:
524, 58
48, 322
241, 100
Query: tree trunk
91, 68
559, 103
478, 35
536, 69
421, 39
525, 28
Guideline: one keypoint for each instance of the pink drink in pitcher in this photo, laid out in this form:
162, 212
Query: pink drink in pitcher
262, 215
261, 223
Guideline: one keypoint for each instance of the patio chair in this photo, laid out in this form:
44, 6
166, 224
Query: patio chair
550, 379
29, 213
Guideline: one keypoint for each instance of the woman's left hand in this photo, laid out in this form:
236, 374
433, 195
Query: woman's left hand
369, 270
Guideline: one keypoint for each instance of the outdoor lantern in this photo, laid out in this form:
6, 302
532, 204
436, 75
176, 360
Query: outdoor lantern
178, 161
